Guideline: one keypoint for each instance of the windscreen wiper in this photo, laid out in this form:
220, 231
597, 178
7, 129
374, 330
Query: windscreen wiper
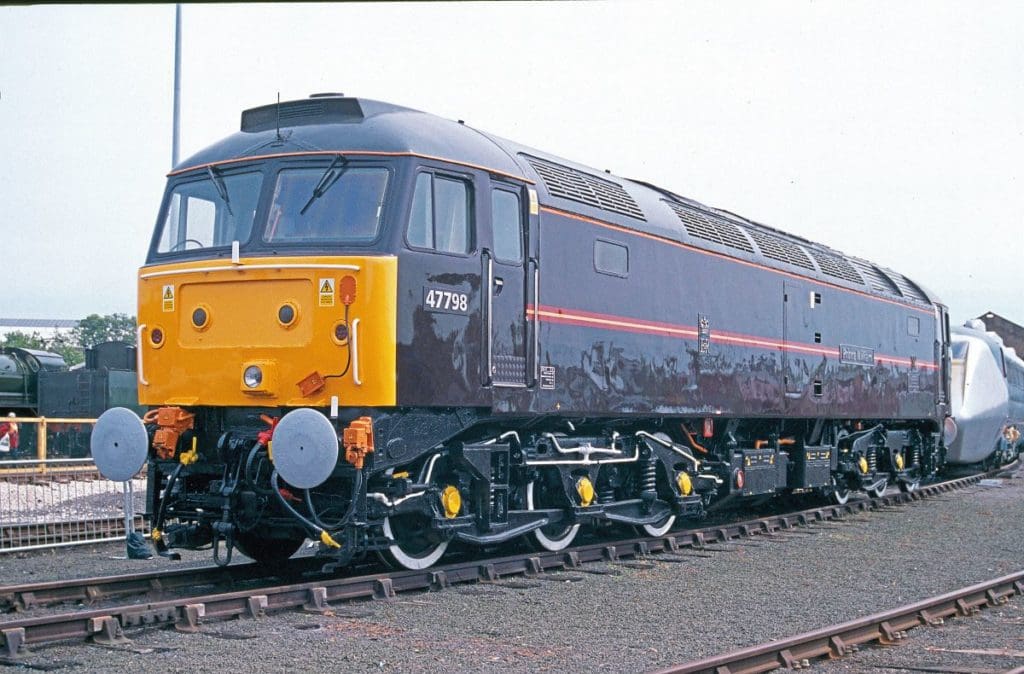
222, 189
327, 180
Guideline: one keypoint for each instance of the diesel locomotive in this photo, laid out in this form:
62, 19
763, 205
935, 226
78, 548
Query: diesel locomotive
385, 331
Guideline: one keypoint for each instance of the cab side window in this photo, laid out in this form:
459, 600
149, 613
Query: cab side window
507, 223
440, 219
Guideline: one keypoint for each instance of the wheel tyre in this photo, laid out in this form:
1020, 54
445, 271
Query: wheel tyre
879, 491
839, 496
549, 540
659, 529
267, 550
414, 560
910, 487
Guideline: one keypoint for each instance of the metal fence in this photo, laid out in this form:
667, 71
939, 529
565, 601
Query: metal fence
51, 499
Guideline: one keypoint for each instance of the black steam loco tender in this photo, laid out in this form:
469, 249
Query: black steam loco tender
386, 331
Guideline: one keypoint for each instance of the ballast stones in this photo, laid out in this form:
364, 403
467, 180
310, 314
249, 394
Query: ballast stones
305, 448
118, 444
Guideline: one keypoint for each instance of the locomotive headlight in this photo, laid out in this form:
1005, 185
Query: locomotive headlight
253, 376
259, 377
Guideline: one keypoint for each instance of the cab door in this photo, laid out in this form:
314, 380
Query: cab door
505, 276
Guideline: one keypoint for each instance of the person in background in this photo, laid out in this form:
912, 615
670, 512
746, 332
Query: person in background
8, 433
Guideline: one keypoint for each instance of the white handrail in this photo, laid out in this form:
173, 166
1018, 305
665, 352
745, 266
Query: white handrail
355, 353
138, 355
243, 267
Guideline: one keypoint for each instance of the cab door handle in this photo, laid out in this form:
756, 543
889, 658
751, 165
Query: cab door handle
499, 283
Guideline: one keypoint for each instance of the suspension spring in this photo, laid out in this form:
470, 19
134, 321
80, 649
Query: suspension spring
649, 476
872, 460
915, 455
606, 494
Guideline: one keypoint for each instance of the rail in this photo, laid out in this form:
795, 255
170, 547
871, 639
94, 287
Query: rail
106, 625
885, 628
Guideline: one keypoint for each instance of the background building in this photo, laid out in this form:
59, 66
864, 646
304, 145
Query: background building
1012, 334
46, 328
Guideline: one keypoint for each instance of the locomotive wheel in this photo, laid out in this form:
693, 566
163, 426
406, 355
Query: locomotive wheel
660, 528
414, 548
553, 537
839, 495
266, 550
879, 491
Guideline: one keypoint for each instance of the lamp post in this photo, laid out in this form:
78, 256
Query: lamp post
177, 85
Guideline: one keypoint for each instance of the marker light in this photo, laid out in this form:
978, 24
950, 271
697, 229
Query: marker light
341, 332
156, 336
200, 317
286, 314
253, 376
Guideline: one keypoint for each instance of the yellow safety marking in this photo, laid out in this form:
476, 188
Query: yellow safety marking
326, 292
585, 490
168, 298
451, 501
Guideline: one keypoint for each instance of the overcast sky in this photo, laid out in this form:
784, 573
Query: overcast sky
892, 131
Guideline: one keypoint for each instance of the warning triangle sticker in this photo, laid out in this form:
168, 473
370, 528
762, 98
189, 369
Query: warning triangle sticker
326, 287
168, 293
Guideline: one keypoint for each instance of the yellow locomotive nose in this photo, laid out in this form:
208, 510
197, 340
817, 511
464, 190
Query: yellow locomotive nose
289, 332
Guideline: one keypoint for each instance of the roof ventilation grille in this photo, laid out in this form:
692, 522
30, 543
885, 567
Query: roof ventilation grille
306, 112
836, 266
569, 183
702, 226
780, 249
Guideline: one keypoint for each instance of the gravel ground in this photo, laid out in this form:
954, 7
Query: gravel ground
632, 616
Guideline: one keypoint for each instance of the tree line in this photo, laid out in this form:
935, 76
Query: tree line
91, 330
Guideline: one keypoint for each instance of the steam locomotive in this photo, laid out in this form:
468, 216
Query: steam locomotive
386, 331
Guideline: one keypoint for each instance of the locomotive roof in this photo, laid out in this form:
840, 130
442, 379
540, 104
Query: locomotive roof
334, 123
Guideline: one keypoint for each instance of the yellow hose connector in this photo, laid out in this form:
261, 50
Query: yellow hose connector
326, 539
191, 456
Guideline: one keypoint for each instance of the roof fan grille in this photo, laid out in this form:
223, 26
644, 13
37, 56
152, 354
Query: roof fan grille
836, 266
569, 183
700, 226
779, 249
878, 281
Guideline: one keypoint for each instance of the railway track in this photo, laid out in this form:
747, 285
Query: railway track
265, 593
885, 629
